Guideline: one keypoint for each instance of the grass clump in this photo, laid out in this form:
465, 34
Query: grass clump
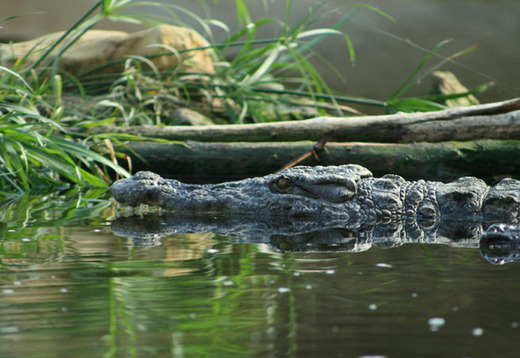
45, 111
37, 152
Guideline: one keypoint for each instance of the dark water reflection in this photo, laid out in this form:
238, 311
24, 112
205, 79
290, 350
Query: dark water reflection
71, 288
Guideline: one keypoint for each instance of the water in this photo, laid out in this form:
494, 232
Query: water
70, 287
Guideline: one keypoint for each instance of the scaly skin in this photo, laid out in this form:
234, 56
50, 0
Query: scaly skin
347, 192
330, 208
500, 244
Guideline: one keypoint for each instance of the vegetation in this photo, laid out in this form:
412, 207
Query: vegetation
40, 125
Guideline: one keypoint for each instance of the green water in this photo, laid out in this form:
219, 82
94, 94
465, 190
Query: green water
71, 288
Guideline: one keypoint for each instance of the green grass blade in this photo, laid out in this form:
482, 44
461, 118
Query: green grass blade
18, 77
66, 34
242, 13
376, 10
413, 105
408, 83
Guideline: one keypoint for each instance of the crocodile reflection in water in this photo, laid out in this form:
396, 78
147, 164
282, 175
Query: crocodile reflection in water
341, 207
499, 244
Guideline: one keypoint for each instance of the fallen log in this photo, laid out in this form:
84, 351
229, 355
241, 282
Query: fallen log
500, 120
441, 161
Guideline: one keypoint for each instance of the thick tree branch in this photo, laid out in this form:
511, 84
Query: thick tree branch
499, 120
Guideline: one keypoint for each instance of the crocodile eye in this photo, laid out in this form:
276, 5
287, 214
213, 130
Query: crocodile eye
283, 183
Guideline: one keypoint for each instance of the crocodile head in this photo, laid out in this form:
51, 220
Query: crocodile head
300, 191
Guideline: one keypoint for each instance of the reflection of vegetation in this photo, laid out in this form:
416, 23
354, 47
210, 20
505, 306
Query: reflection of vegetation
207, 315
139, 304
235, 300
70, 207
32, 226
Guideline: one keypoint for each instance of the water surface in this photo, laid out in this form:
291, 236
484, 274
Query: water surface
70, 287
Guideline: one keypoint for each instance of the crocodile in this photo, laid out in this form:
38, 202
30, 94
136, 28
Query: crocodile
328, 209
348, 193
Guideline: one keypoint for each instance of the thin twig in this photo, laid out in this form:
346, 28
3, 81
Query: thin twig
314, 151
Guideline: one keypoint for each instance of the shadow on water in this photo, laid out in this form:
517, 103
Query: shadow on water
75, 283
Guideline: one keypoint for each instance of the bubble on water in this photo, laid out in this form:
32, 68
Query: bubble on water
212, 251
308, 287
9, 329
8, 291
384, 265
17, 283
227, 283
477, 331
372, 307
296, 274
515, 324
283, 289
330, 272
63, 290
435, 323
414, 295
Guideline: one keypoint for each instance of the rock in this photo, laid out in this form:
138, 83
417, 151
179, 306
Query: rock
98, 47
188, 117
447, 83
